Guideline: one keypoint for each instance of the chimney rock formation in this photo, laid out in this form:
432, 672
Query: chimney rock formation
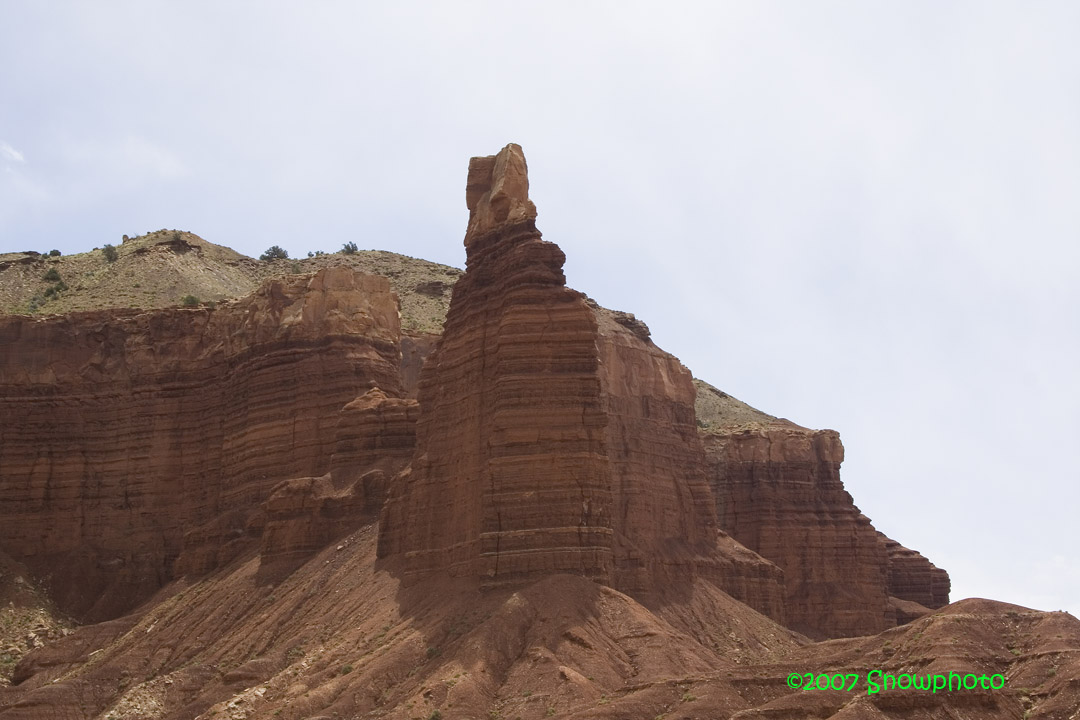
552, 439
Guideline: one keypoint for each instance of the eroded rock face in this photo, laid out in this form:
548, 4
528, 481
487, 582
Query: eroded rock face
301, 516
663, 508
913, 578
552, 438
779, 493
497, 194
130, 438
376, 437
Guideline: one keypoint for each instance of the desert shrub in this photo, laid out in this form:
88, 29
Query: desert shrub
349, 248
54, 290
110, 253
189, 301
275, 253
54, 253
52, 275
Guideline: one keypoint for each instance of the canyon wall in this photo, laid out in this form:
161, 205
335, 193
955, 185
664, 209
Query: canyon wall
131, 438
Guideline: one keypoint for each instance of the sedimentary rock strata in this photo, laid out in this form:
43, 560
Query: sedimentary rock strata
664, 511
779, 493
301, 516
125, 432
913, 578
553, 437
376, 437
510, 474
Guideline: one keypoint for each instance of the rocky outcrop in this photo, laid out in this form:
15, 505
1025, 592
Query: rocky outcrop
913, 578
779, 493
303, 515
510, 474
553, 437
131, 438
376, 436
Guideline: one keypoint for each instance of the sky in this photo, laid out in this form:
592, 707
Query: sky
858, 215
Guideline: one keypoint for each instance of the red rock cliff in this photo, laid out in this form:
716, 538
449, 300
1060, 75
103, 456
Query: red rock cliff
124, 431
913, 578
552, 438
779, 493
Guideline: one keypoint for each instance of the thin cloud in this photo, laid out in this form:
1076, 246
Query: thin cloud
11, 154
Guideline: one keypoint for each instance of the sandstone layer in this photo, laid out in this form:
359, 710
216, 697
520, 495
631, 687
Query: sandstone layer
913, 578
131, 438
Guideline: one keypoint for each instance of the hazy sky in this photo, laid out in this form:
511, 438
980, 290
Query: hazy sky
857, 215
